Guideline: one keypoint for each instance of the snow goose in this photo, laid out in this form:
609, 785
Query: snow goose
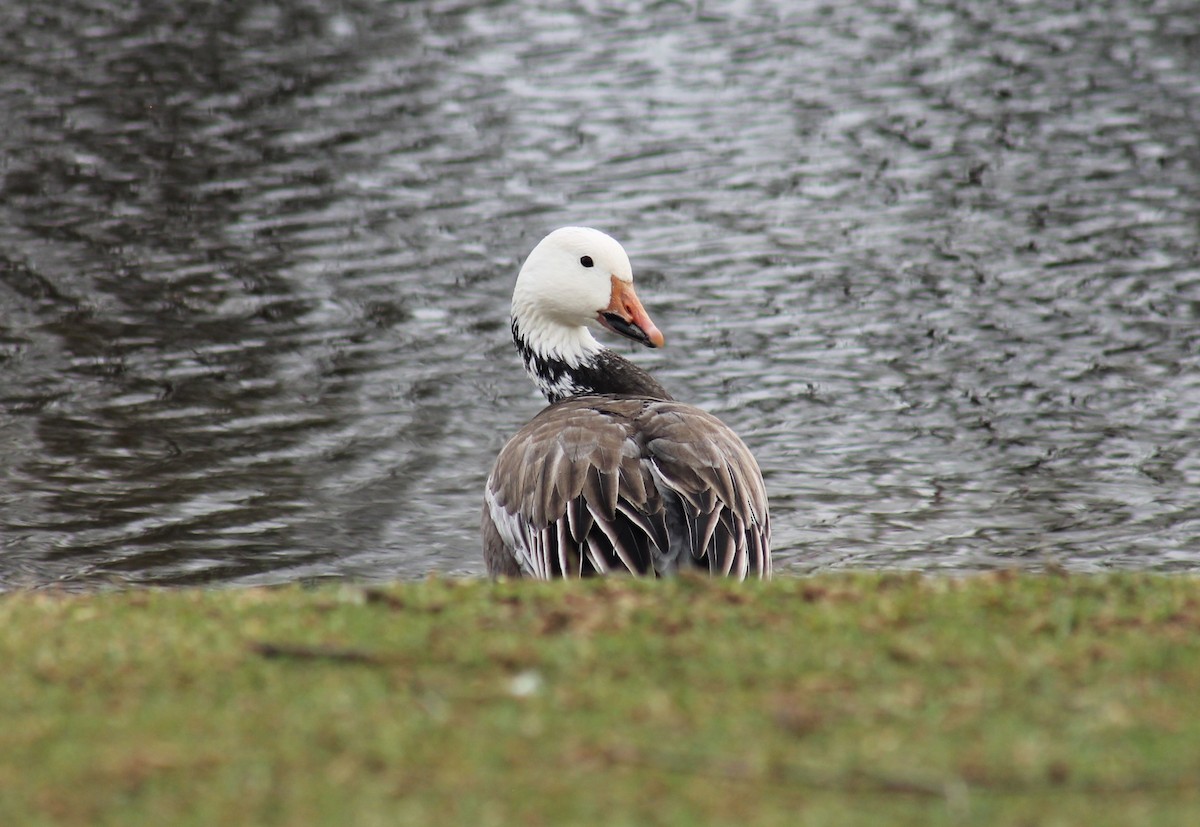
613, 476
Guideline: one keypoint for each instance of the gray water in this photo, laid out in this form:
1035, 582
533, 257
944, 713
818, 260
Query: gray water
938, 263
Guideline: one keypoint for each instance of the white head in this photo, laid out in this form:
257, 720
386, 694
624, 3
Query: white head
576, 278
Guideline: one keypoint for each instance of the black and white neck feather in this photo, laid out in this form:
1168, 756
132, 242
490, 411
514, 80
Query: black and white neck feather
591, 369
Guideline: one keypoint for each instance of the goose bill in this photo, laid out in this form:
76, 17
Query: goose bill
626, 317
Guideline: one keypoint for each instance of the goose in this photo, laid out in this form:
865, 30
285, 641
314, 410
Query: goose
614, 476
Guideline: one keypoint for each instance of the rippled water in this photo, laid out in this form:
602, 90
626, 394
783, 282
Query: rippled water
939, 264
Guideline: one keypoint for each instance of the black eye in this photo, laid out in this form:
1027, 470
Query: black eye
586, 261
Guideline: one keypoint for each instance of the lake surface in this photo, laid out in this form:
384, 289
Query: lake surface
938, 263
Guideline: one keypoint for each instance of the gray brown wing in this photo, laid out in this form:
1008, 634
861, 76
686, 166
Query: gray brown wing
569, 496
713, 491
599, 484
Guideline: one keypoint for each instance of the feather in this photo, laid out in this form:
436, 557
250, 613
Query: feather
620, 549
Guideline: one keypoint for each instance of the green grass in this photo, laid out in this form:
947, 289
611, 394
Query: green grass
863, 699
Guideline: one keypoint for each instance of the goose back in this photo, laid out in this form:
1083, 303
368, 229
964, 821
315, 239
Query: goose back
618, 483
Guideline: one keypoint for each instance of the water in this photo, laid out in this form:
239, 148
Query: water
938, 264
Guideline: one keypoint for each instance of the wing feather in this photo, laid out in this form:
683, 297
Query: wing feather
579, 518
598, 560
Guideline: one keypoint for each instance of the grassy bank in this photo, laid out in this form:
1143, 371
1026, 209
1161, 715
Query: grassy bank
833, 700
